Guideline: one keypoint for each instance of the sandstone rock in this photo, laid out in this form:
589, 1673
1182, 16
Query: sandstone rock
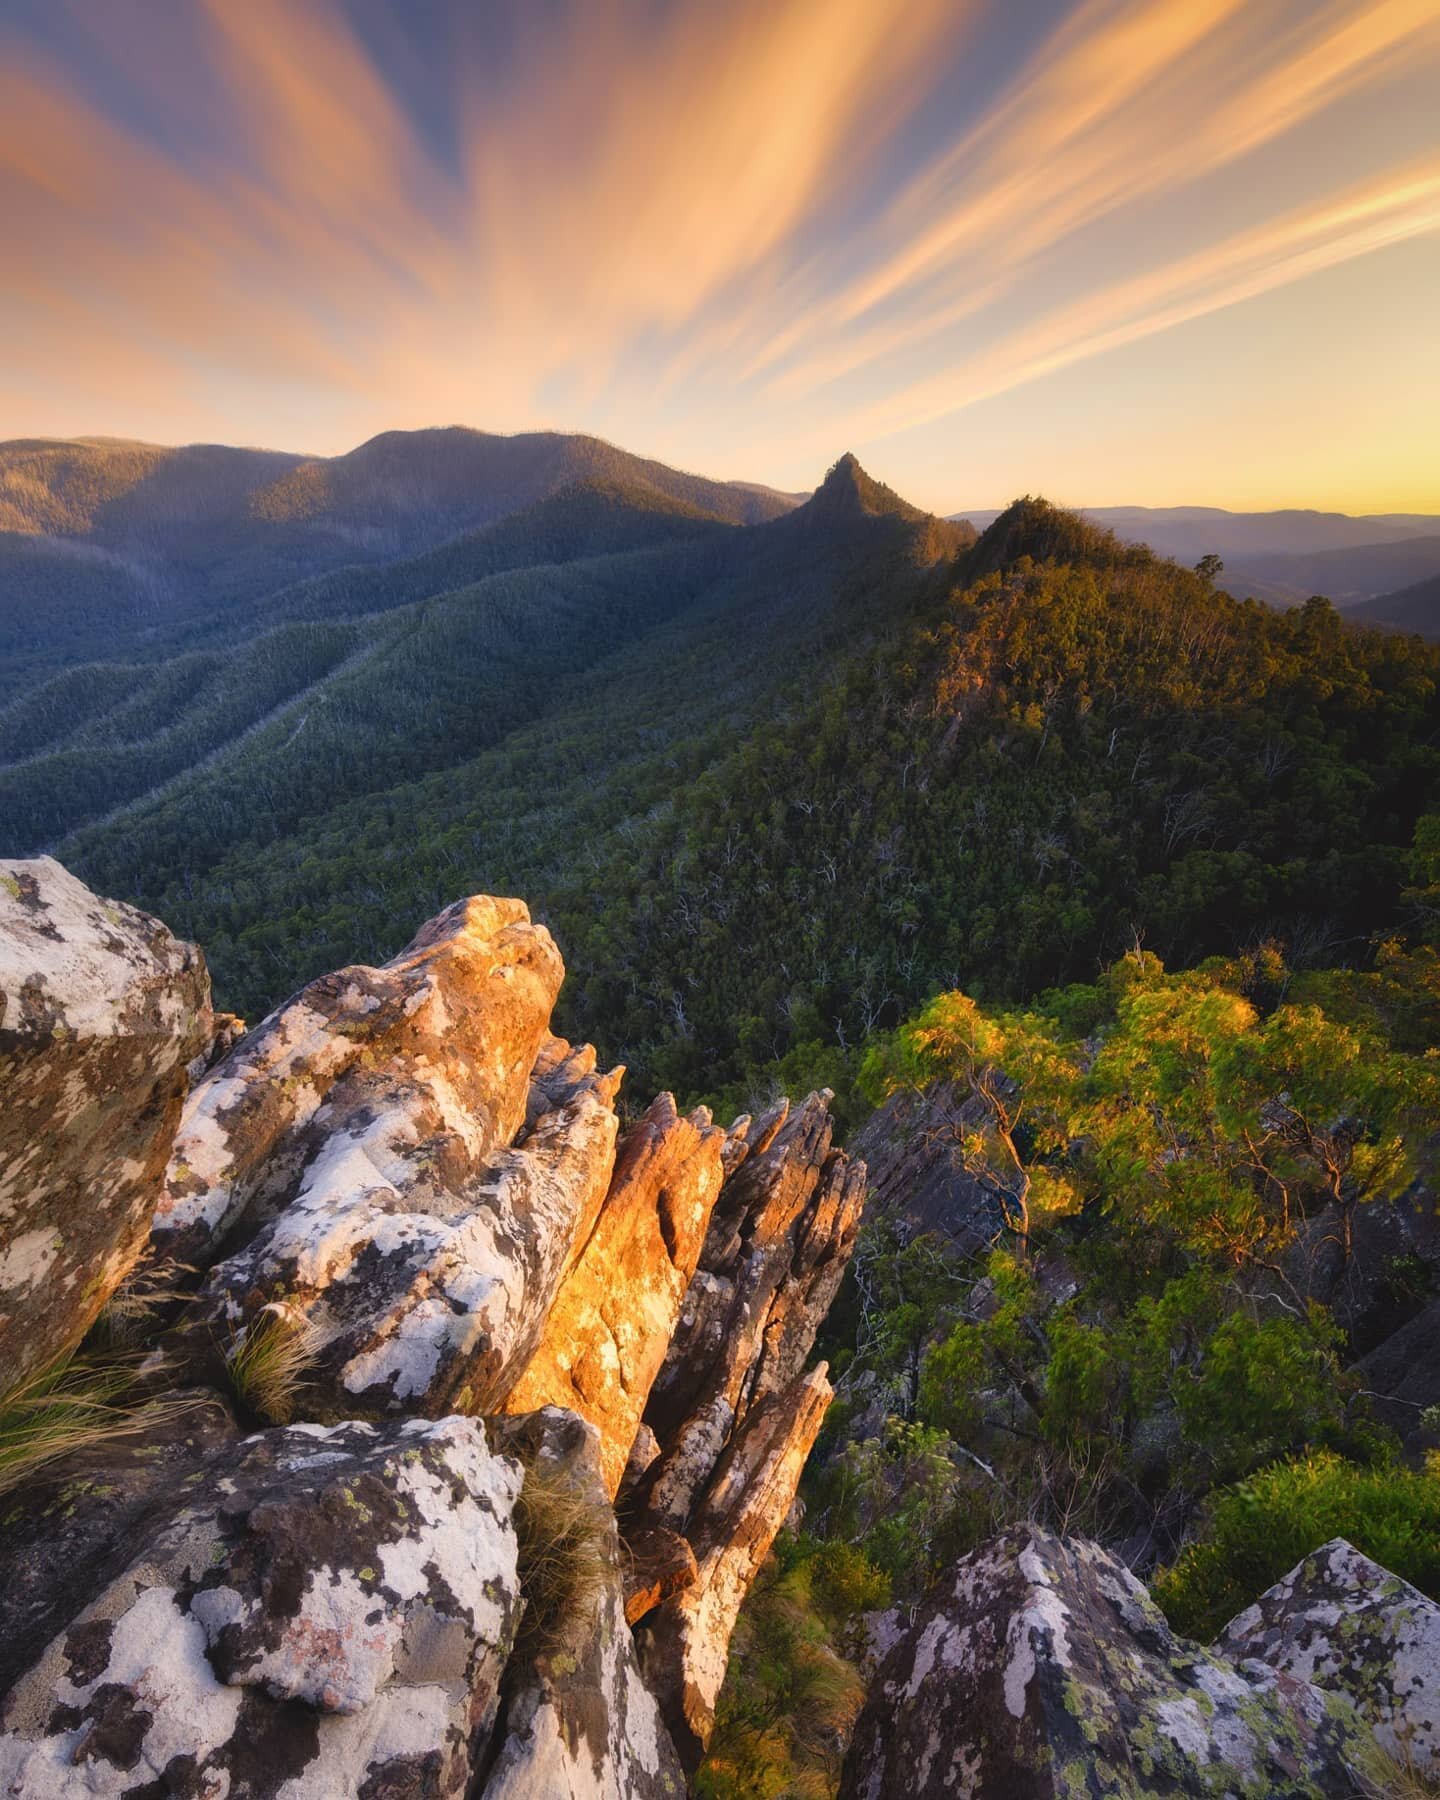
1342, 1623
1041, 1667
684, 1644
101, 1011
577, 1722
608, 1330
733, 1415
61, 1534
309, 1611
401, 1163
451, 1028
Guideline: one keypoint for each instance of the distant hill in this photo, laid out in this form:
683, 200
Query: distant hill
104, 542
1415, 608
1346, 576
1189, 532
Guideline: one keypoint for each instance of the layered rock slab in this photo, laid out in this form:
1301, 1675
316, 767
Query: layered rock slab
101, 1012
685, 1641
780, 1237
578, 1722
1041, 1668
309, 1611
1342, 1623
607, 1333
733, 1414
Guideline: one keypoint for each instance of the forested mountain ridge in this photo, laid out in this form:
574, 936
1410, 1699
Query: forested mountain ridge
107, 547
1284, 557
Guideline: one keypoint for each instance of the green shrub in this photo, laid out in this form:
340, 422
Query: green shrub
1260, 1528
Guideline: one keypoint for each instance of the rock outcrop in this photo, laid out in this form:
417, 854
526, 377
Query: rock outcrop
1041, 1668
912, 1146
732, 1416
607, 1333
685, 1641
396, 1211
1342, 1623
404, 1162
310, 1611
101, 1012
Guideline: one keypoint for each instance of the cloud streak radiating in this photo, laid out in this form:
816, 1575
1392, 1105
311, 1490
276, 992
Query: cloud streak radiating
742, 236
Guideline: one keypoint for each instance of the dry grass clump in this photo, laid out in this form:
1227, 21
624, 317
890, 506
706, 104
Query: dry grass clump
74, 1404
564, 1538
269, 1362
1380, 1776
136, 1309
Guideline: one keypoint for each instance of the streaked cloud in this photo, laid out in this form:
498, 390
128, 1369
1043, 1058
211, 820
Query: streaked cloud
740, 235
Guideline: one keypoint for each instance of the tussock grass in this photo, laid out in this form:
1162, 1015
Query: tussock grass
135, 1311
74, 1404
1380, 1776
269, 1361
564, 1553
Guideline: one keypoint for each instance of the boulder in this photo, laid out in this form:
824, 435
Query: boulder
577, 1720
309, 1611
1401, 1376
912, 1148
413, 1163
1040, 1667
451, 1027
611, 1322
1344, 1624
101, 1012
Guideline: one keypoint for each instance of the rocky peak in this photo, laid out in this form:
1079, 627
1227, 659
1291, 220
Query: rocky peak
848, 492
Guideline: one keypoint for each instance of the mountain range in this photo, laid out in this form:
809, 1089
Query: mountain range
773, 769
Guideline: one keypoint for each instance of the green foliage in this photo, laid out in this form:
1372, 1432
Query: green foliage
790, 1695
815, 776
1263, 1526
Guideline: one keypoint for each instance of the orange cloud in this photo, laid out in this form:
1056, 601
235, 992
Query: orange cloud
694, 224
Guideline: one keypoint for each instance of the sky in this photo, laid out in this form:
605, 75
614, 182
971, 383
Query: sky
1115, 251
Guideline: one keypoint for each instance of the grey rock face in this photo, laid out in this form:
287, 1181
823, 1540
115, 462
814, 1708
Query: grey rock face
101, 1011
1344, 1624
310, 1612
578, 1721
1041, 1668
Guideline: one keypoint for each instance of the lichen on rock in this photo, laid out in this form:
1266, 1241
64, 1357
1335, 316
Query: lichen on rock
101, 1012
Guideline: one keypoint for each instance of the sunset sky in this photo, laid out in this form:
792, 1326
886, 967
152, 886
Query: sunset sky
1155, 251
